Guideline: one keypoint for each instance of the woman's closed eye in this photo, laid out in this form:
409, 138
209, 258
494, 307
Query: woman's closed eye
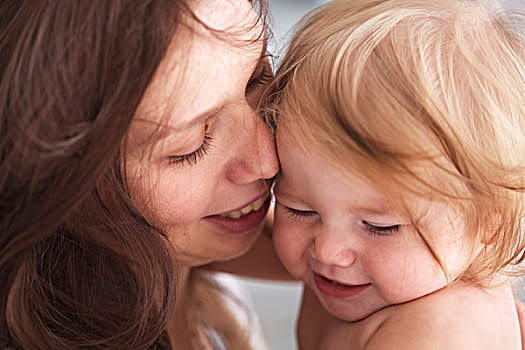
381, 230
193, 157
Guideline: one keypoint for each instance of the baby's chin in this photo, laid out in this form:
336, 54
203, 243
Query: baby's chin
349, 311
352, 315
359, 309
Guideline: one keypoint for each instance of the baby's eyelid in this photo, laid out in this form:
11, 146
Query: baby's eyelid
379, 226
297, 211
381, 230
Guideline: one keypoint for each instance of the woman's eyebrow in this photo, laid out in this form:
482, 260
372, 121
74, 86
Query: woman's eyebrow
264, 49
164, 132
263, 55
200, 118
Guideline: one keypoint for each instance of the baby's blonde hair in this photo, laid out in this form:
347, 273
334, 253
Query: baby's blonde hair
422, 98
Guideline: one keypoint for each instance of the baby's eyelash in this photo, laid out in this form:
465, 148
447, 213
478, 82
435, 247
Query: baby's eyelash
380, 230
298, 215
264, 77
193, 157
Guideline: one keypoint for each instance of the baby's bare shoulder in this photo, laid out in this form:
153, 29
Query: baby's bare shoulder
459, 317
338, 334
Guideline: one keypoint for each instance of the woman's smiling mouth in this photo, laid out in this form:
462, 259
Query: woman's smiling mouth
242, 220
254, 206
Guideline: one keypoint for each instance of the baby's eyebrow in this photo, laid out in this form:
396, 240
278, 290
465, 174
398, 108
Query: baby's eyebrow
379, 211
286, 195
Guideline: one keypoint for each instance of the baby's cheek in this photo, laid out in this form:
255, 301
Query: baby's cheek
290, 246
279, 235
403, 278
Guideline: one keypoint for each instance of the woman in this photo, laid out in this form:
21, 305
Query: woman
131, 153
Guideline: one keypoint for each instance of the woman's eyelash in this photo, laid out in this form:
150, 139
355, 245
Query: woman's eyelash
193, 157
380, 230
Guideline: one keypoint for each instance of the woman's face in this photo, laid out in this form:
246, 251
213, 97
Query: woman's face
204, 179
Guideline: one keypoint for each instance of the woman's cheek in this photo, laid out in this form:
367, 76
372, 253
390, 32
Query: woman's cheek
183, 202
169, 199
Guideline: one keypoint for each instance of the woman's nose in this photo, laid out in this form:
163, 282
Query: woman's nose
333, 247
256, 156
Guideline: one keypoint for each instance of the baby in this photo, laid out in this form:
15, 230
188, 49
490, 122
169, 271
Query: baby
400, 128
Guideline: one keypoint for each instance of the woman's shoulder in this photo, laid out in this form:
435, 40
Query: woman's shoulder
458, 317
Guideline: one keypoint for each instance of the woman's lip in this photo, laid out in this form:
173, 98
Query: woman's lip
340, 291
244, 224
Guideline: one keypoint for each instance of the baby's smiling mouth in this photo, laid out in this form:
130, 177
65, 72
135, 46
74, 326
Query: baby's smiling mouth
338, 289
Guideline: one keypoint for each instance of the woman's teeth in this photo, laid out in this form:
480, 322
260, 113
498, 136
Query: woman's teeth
254, 206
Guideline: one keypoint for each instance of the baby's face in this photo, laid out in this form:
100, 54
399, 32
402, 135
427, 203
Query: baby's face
341, 237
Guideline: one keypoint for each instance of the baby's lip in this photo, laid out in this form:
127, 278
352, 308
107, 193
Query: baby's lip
339, 281
339, 290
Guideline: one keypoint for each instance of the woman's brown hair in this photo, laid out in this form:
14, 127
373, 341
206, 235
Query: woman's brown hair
80, 267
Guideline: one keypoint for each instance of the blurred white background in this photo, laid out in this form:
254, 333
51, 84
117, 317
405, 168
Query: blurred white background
277, 303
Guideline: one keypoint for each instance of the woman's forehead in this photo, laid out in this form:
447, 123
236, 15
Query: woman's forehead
202, 73
225, 15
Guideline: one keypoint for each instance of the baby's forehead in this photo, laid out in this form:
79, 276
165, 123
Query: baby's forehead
296, 148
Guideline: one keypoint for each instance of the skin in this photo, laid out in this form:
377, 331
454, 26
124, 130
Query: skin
463, 317
334, 224
233, 172
520, 307
240, 159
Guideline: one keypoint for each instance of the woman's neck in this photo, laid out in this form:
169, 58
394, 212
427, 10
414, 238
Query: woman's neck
180, 325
